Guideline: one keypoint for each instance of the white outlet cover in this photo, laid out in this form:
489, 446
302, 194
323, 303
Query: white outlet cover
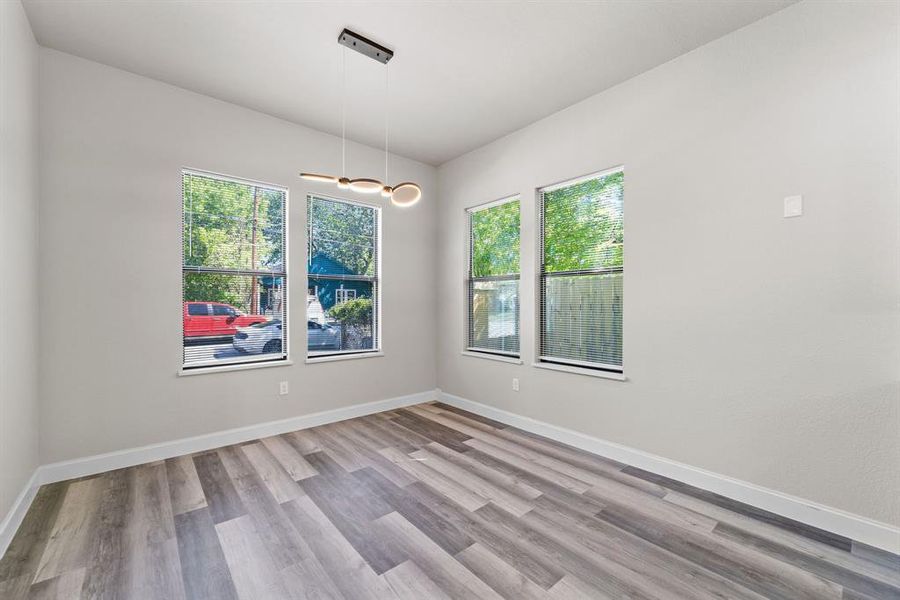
283, 388
793, 206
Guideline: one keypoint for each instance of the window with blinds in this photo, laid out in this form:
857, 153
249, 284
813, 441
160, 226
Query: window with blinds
581, 272
493, 278
343, 271
234, 275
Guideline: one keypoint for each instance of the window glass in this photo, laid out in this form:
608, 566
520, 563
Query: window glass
493, 283
582, 269
233, 257
342, 276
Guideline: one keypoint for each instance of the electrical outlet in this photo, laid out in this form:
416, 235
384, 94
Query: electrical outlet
515, 384
283, 388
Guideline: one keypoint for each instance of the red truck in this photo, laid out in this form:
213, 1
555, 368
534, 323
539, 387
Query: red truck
214, 319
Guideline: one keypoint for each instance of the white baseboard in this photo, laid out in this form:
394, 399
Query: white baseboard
91, 465
13, 518
855, 527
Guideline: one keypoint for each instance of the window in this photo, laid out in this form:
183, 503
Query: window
581, 272
343, 277
344, 294
233, 271
493, 278
196, 309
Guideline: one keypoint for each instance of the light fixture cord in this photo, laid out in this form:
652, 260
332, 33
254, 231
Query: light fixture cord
344, 111
386, 112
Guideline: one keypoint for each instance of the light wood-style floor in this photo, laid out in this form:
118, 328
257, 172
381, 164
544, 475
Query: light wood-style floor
422, 503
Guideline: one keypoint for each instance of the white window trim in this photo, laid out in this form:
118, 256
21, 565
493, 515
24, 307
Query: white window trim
617, 375
311, 360
378, 350
262, 364
475, 353
581, 371
467, 214
248, 363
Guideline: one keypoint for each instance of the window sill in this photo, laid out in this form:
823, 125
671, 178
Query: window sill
311, 360
499, 358
237, 367
582, 371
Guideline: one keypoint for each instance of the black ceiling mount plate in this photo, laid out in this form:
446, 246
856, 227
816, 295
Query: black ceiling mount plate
364, 45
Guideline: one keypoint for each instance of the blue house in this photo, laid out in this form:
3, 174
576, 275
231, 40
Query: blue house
331, 287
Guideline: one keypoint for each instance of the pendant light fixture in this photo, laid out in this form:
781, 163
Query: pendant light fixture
403, 194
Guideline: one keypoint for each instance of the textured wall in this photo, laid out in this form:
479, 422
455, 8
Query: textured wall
18, 253
112, 148
758, 347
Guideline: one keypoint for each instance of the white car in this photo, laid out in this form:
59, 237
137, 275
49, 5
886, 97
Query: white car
262, 338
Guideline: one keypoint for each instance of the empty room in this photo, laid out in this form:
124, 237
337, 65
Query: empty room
601, 300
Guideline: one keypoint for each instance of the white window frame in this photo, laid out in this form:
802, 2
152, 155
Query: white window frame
243, 362
344, 295
615, 372
376, 349
468, 350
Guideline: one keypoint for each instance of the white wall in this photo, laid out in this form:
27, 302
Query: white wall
18, 252
758, 347
112, 148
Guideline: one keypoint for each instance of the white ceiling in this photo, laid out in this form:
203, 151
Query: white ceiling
464, 73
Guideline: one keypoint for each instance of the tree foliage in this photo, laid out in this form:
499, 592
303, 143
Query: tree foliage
344, 233
583, 225
353, 313
495, 240
218, 233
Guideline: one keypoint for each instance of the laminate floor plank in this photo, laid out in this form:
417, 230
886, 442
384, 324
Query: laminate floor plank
660, 569
150, 564
451, 489
184, 485
288, 457
508, 482
205, 572
276, 478
759, 572
826, 537
62, 587
427, 502
501, 576
218, 489
472, 482
848, 569
441, 568
27, 546
444, 533
347, 569
507, 544
70, 540
409, 582
351, 510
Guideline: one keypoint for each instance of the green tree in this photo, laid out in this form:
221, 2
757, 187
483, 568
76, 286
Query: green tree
495, 240
218, 233
343, 232
353, 313
583, 226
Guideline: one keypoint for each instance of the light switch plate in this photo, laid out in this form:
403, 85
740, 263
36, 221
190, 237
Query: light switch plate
793, 206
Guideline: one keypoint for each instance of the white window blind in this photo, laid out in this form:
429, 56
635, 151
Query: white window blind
343, 277
493, 278
581, 272
234, 277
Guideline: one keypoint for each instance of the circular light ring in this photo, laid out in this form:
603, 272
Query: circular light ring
366, 186
318, 177
386, 191
406, 194
343, 183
